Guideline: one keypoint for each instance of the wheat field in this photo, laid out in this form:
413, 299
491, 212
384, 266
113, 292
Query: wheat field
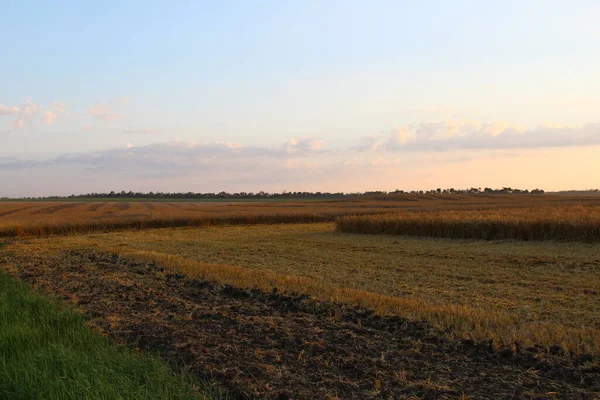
279, 274
541, 223
19, 218
531, 293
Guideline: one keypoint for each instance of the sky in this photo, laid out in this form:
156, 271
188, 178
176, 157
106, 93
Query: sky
298, 95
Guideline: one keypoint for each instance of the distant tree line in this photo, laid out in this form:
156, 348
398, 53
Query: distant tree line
283, 195
589, 191
505, 190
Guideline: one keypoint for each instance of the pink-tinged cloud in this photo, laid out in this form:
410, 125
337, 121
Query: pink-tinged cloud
371, 143
180, 156
26, 113
51, 114
304, 145
107, 112
453, 135
30, 110
5, 110
187, 165
424, 156
212, 168
48, 117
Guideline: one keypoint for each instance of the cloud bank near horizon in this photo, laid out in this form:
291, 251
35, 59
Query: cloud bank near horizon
375, 149
425, 155
469, 135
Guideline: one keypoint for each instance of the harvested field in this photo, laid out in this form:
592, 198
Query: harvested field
281, 346
278, 304
533, 293
44, 218
541, 223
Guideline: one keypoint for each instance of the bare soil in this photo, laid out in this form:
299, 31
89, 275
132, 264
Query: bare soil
271, 345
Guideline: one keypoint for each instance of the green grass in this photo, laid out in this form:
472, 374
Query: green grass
47, 352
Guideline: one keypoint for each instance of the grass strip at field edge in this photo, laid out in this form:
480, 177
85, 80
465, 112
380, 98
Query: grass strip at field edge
47, 351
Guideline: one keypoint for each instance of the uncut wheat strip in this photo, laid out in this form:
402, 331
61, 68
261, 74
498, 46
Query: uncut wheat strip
568, 225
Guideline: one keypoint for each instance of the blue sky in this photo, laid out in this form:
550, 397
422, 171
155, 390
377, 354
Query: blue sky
339, 95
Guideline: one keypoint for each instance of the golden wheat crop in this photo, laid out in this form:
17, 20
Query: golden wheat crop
67, 217
71, 227
542, 223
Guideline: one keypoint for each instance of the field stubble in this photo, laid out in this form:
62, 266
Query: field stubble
509, 294
277, 346
532, 293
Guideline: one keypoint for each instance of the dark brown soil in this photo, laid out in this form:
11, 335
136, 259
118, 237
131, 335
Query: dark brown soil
277, 346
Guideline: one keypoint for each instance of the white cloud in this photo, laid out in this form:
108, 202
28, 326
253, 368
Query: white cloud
447, 135
5, 110
106, 112
304, 145
103, 113
185, 157
231, 145
50, 115
370, 143
26, 114
59, 108
188, 165
202, 166
403, 135
29, 110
